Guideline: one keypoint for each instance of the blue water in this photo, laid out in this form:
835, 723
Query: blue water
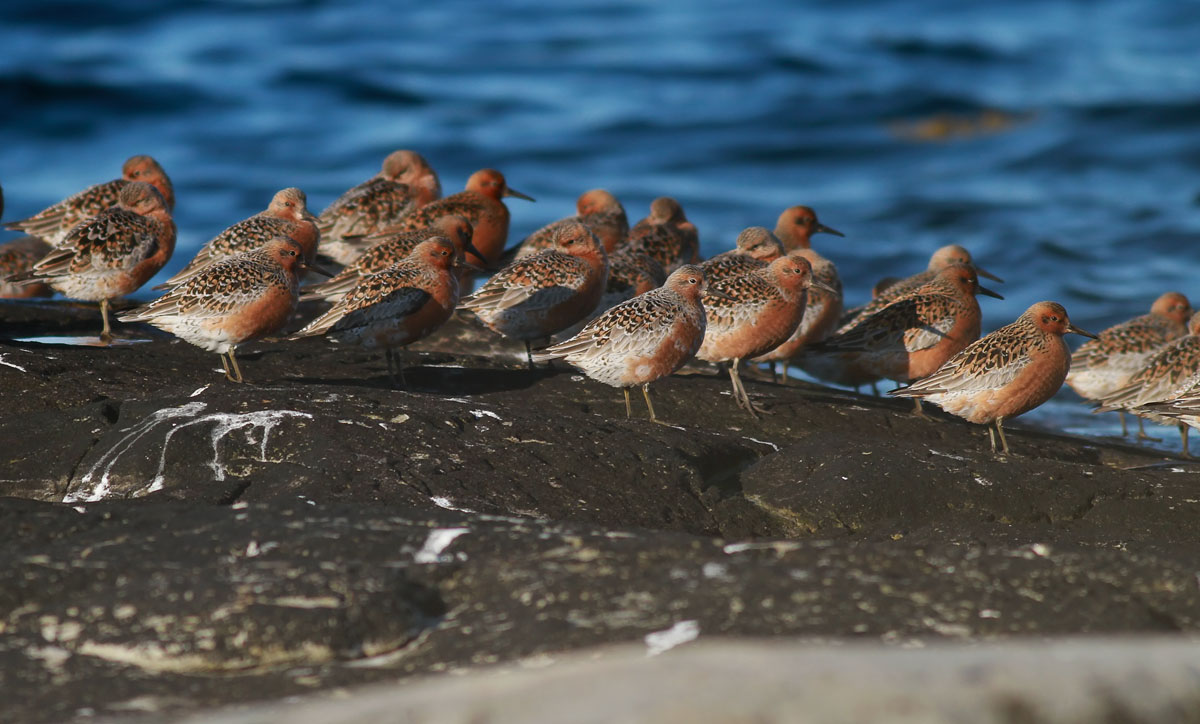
1087, 195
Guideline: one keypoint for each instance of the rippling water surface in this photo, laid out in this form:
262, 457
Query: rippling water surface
1059, 141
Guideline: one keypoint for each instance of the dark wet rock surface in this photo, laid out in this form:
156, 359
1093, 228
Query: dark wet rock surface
172, 541
1080, 679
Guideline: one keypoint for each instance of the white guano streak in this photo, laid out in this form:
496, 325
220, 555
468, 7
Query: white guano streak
96, 484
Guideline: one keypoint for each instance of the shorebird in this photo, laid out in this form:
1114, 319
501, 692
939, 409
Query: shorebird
547, 292
1004, 374
908, 339
821, 313
481, 205
797, 224
598, 210
1168, 372
392, 308
754, 313
17, 257
887, 293
405, 183
1102, 366
630, 273
111, 254
286, 215
1184, 410
392, 249
666, 235
642, 339
754, 249
54, 223
233, 300
882, 285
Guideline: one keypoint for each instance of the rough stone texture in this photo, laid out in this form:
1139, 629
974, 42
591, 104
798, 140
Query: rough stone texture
942, 491
172, 541
1084, 681
172, 606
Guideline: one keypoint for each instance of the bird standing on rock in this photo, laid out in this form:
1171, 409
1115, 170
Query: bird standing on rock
1006, 373
908, 339
54, 223
1171, 371
286, 215
1102, 366
754, 313
754, 248
797, 224
547, 292
397, 306
598, 210
17, 257
821, 313
630, 273
642, 339
111, 254
233, 300
886, 293
405, 183
666, 235
480, 204
393, 249
1184, 409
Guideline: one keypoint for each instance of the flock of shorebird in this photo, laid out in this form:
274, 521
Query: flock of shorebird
630, 305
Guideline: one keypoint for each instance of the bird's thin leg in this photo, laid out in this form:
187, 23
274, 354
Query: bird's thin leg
387, 355
400, 367
1124, 428
628, 407
649, 404
395, 362
529, 354
225, 365
740, 394
917, 410
1183, 434
237, 372
106, 333
1000, 431
1142, 432
736, 382
733, 381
